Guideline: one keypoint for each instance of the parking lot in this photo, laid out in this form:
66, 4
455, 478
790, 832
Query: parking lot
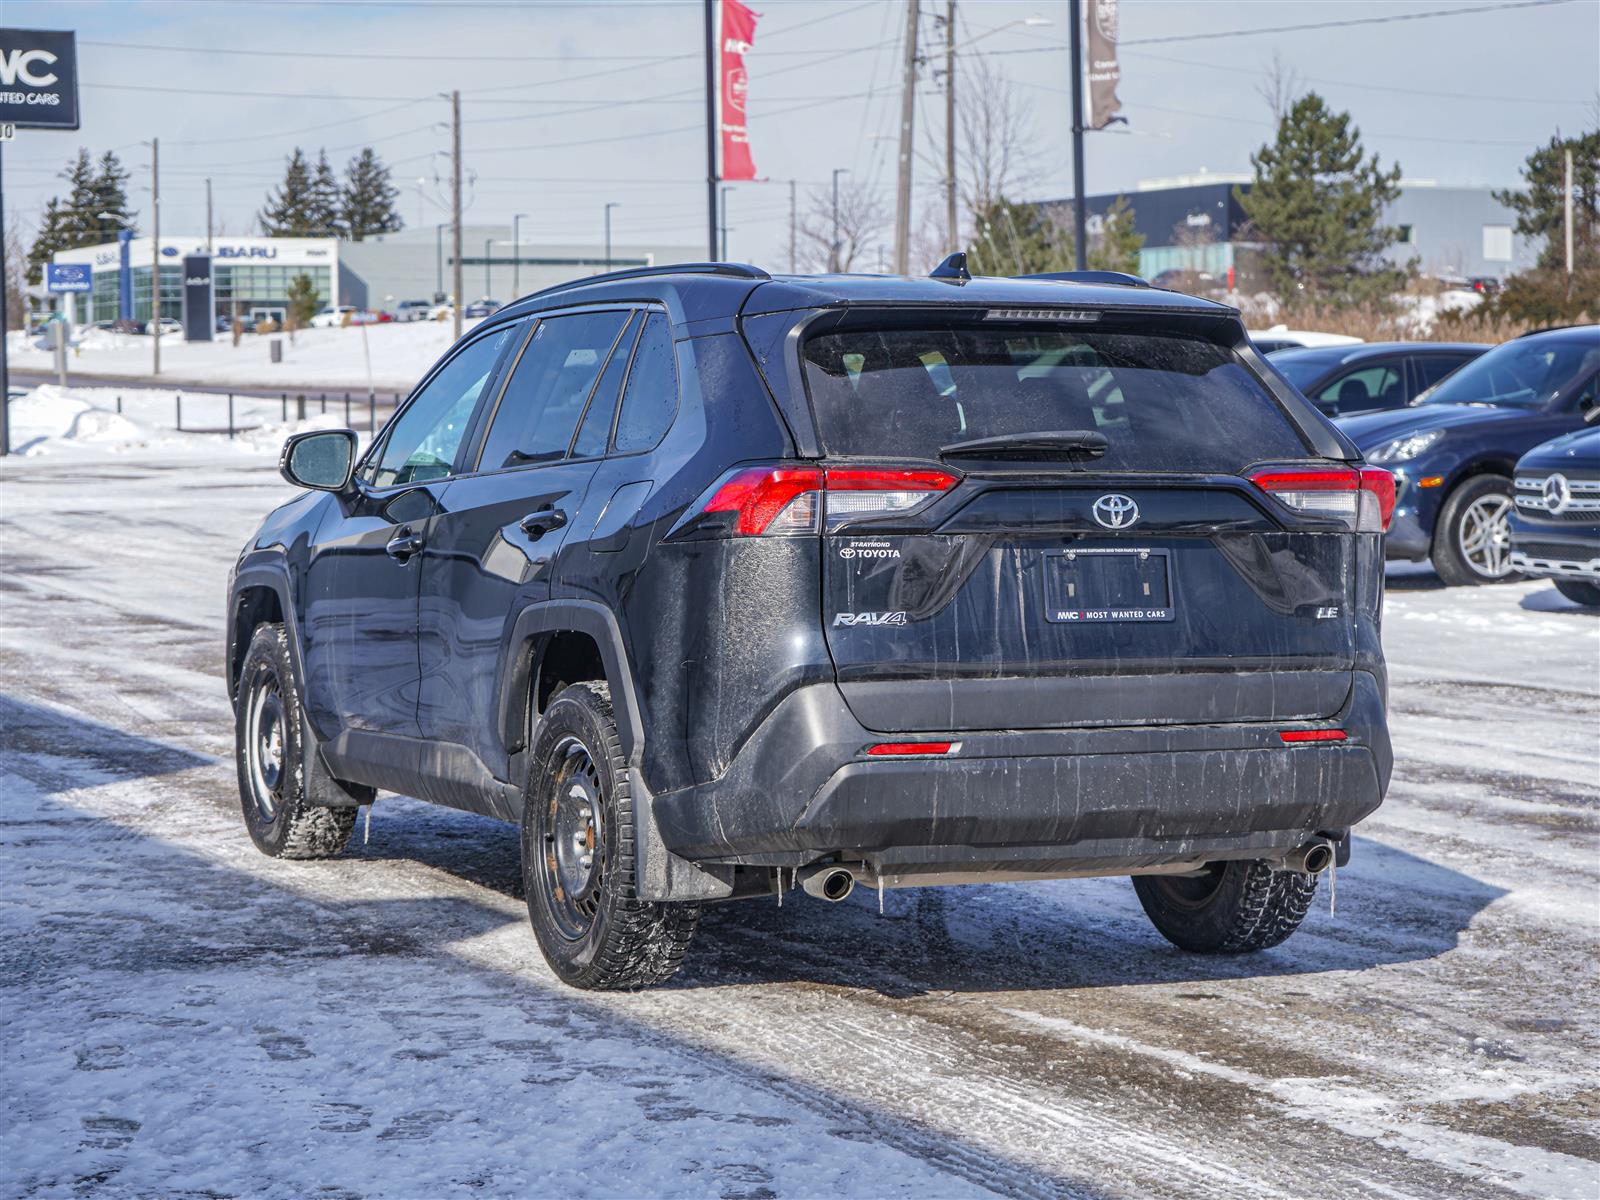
187, 1017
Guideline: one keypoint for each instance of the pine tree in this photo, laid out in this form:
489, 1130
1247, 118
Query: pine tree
49, 239
1317, 202
78, 224
110, 196
1116, 247
1018, 239
1546, 294
303, 301
368, 201
327, 200
291, 210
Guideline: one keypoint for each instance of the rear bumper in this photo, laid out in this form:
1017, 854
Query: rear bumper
1129, 796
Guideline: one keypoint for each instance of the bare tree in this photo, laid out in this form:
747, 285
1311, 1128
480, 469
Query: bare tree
16, 277
864, 222
1280, 86
997, 149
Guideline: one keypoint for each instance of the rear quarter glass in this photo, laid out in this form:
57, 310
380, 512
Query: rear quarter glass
1166, 401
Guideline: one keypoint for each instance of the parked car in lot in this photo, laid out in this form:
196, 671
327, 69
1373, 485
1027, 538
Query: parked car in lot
481, 308
413, 310
166, 326
1555, 525
1453, 453
334, 316
719, 583
1342, 381
1281, 337
247, 324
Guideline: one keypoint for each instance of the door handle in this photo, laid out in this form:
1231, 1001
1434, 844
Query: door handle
404, 544
542, 520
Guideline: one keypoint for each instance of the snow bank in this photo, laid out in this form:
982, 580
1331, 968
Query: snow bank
59, 421
399, 354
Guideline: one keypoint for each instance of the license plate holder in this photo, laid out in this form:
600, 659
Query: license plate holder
1096, 585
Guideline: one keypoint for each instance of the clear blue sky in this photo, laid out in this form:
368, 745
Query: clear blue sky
590, 102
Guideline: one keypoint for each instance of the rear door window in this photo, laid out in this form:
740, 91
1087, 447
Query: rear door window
1378, 386
650, 399
1165, 401
548, 389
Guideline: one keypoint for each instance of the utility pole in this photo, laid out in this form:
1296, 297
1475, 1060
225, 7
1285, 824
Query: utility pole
835, 258
488, 253
725, 190
516, 255
1566, 214
438, 257
455, 204
792, 225
208, 216
951, 231
711, 126
155, 254
908, 111
610, 204
1080, 235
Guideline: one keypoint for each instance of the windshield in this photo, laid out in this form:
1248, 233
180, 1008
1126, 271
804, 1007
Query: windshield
1527, 373
1164, 401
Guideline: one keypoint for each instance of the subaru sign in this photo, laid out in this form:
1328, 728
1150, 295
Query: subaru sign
68, 277
38, 78
199, 306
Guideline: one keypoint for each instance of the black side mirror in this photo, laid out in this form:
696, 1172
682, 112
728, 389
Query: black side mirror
321, 460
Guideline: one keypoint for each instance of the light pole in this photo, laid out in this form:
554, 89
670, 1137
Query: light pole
516, 255
438, 257
725, 190
834, 247
609, 206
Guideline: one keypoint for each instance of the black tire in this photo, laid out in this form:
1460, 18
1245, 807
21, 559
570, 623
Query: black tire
578, 865
1234, 908
1579, 592
1469, 546
269, 753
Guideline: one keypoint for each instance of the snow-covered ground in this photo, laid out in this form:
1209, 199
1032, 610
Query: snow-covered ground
184, 1017
398, 354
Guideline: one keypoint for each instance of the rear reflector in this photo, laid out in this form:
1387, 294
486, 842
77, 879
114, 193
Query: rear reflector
790, 499
1363, 499
1312, 735
899, 748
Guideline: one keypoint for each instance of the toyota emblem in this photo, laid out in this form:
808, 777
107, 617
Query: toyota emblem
1115, 511
1557, 494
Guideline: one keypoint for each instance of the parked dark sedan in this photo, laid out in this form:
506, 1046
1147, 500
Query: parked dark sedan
1555, 527
1453, 453
1343, 380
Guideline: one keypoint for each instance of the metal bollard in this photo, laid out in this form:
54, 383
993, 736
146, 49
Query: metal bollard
347, 410
178, 400
230, 416
300, 406
119, 405
324, 403
372, 416
285, 408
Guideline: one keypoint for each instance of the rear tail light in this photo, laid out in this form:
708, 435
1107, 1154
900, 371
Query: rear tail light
776, 500
1293, 736
899, 749
1363, 499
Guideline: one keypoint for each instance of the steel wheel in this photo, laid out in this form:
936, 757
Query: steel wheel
264, 746
573, 858
1190, 891
1484, 536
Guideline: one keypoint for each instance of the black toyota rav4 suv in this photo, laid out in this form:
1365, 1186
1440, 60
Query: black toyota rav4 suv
722, 583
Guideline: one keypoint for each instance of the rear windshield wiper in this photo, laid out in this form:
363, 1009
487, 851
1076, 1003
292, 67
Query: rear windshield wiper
1043, 445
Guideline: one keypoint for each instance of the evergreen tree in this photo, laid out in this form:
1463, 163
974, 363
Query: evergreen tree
1116, 247
50, 238
327, 200
78, 223
291, 209
368, 202
303, 301
110, 190
1018, 239
1318, 201
1546, 294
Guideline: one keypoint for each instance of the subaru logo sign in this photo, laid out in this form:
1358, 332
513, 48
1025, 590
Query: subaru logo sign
1115, 511
1557, 493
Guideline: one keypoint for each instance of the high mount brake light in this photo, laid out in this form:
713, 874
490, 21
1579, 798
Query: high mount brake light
1364, 499
789, 499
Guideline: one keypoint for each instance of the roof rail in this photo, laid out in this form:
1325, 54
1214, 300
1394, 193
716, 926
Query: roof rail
733, 270
1120, 278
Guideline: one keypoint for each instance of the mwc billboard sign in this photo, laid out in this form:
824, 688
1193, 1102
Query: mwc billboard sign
39, 78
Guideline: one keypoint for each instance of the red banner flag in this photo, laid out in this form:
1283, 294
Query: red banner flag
738, 35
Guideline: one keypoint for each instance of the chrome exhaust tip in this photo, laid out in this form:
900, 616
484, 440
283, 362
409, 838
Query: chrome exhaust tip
1311, 859
828, 883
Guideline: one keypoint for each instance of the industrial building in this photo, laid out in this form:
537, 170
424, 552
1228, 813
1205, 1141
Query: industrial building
255, 272
1196, 223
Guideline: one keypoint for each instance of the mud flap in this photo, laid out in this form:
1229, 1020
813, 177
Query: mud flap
321, 788
661, 874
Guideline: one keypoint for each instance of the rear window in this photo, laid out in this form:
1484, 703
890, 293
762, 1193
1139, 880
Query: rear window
1164, 401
